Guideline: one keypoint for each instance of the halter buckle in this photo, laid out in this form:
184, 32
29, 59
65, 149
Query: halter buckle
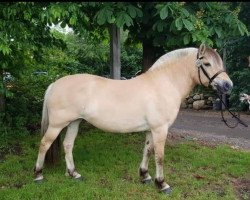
198, 62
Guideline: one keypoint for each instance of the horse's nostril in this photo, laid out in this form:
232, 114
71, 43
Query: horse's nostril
227, 86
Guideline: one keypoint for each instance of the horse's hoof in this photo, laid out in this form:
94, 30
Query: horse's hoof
167, 191
147, 181
80, 178
39, 179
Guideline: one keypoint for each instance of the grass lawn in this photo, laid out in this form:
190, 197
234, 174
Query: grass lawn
109, 164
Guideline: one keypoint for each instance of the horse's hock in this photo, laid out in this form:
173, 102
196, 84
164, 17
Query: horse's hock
199, 102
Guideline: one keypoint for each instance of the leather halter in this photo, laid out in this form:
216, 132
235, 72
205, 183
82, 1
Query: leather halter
201, 66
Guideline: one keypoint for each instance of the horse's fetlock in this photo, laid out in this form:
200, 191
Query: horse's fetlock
159, 182
143, 172
37, 172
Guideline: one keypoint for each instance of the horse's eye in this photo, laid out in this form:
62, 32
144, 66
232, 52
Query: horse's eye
207, 64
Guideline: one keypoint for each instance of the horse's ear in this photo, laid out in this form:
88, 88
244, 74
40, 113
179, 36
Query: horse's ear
215, 49
202, 49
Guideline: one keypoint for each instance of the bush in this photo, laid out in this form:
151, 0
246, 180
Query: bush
239, 72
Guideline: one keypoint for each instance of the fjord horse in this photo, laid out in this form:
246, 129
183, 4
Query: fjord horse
149, 102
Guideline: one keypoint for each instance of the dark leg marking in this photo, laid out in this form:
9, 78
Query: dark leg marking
37, 172
159, 184
38, 175
73, 173
143, 172
146, 179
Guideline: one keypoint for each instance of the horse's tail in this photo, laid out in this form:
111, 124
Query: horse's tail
45, 115
53, 153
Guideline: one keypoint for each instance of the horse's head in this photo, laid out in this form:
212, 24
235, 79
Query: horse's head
211, 70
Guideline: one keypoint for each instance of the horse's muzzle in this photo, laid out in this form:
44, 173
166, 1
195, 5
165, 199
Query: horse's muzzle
223, 86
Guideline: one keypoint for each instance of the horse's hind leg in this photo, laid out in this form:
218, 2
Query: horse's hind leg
48, 138
148, 149
68, 144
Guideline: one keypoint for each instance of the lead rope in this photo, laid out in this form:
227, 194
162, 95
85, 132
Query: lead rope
233, 116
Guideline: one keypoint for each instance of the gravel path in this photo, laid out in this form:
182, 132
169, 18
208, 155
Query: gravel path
207, 127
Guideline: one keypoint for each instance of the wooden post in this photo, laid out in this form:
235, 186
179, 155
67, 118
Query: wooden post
224, 96
148, 55
115, 52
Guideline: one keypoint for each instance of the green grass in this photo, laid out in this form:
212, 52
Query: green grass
109, 164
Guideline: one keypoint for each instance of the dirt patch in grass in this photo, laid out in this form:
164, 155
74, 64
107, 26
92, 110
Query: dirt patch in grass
14, 185
242, 187
14, 149
126, 176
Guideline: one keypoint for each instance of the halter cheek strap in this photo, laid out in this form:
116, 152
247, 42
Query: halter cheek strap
206, 74
200, 65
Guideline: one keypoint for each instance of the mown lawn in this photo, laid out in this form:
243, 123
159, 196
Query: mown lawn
109, 164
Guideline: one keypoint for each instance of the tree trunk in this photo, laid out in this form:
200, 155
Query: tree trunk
148, 55
115, 52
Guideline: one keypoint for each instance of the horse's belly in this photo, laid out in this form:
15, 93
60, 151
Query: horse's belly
111, 122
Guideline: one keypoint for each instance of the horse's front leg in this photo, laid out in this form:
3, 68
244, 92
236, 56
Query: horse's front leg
148, 150
159, 136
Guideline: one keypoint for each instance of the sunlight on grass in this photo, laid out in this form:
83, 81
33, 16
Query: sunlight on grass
109, 164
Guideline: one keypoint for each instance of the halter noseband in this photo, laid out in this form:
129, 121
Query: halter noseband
200, 65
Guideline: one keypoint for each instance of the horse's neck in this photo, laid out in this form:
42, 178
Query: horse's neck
181, 74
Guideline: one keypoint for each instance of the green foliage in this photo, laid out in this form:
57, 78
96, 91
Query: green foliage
120, 13
178, 24
23, 35
239, 71
238, 51
131, 61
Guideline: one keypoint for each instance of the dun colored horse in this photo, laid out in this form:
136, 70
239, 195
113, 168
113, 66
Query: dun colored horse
149, 102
